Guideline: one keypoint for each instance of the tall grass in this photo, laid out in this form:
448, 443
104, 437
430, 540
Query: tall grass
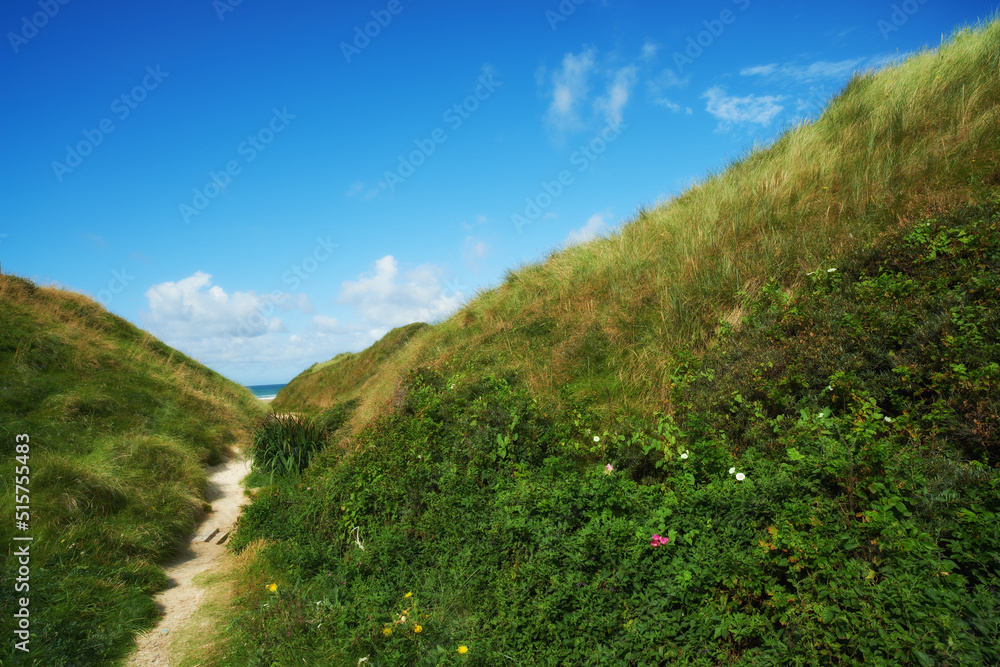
602, 319
120, 429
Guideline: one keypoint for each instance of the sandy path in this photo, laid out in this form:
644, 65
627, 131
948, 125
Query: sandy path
182, 598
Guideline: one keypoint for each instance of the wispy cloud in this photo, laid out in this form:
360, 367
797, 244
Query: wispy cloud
796, 73
658, 86
613, 102
729, 111
570, 87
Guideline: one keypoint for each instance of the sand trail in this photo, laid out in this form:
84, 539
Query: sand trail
182, 598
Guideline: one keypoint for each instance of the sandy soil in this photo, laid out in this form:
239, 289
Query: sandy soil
182, 598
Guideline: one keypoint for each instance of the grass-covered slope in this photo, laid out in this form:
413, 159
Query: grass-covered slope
120, 427
323, 385
603, 319
757, 426
827, 483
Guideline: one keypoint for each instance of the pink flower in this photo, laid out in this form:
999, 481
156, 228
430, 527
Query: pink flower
658, 541
608, 469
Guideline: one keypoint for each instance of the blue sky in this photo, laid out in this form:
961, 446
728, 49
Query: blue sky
264, 185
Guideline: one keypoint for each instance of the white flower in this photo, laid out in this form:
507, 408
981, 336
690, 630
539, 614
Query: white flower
732, 470
830, 270
829, 387
597, 438
888, 420
685, 454
740, 477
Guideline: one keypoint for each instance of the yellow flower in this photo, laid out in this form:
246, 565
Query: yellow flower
418, 628
463, 649
386, 631
273, 587
408, 595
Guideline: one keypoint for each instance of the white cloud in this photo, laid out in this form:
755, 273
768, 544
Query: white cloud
569, 88
386, 298
758, 109
649, 51
596, 225
193, 308
618, 91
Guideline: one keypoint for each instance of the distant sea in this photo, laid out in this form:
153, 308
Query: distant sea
265, 391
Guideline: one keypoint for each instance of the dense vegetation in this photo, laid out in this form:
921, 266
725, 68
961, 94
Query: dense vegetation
825, 481
121, 427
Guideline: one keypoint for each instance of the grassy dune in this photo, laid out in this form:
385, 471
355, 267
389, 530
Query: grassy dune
758, 425
604, 319
121, 427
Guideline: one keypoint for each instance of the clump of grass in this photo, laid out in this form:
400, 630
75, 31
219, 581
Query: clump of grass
285, 444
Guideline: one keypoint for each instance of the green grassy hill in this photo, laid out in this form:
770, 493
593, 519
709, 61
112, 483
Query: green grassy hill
756, 426
119, 429
604, 319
